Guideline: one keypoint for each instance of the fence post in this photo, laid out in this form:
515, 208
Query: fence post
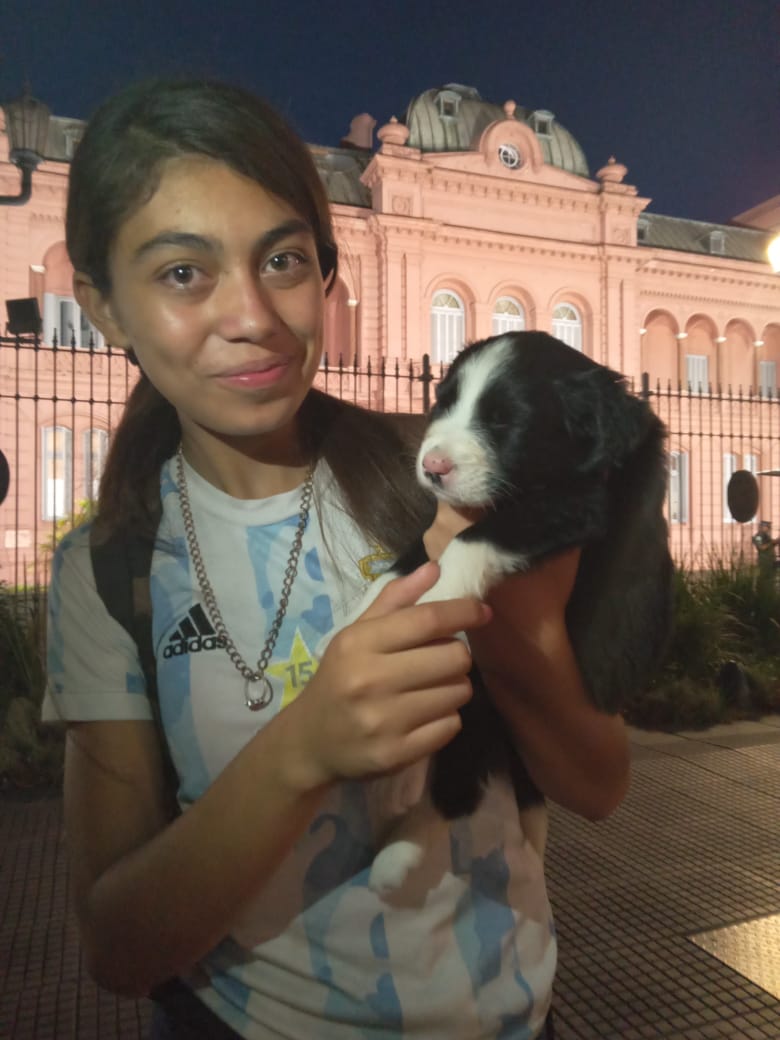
426, 378
644, 393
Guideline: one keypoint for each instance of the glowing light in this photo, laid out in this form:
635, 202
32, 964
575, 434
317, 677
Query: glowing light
773, 254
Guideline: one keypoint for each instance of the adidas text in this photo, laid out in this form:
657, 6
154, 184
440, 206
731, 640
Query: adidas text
194, 645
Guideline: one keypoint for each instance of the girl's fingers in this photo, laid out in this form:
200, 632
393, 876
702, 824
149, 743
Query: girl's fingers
417, 708
426, 740
426, 667
390, 685
399, 623
403, 591
423, 623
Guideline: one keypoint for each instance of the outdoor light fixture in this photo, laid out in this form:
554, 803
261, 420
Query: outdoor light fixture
24, 317
773, 254
27, 126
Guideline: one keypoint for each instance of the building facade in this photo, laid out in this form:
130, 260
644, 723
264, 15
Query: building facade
462, 219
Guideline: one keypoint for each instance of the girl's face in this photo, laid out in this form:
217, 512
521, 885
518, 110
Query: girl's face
217, 288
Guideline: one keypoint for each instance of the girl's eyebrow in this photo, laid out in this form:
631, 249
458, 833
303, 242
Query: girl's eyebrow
206, 243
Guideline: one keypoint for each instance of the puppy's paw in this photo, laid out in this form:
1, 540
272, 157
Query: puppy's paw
472, 569
392, 864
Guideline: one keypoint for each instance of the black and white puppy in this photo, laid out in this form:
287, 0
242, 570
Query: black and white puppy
559, 454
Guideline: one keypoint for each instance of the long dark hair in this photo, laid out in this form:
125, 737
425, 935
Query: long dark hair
116, 170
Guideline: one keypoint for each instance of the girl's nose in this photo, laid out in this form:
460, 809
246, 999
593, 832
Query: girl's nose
246, 309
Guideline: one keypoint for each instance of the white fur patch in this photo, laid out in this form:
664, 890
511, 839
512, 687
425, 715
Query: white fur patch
392, 864
472, 569
472, 481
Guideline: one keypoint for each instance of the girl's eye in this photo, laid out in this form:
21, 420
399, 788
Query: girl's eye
181, 275
285, 263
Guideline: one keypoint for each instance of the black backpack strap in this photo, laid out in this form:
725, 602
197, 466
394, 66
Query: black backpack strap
122, 565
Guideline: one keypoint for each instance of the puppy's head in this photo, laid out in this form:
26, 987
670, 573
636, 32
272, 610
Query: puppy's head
523, 412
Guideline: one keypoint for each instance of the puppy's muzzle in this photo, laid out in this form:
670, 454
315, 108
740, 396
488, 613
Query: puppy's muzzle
436, 465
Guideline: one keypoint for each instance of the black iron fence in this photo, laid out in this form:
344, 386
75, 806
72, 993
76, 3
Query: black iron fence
712, 433
60, 403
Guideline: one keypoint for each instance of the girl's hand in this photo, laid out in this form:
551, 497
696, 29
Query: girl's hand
448, 522
534, 599
388, 689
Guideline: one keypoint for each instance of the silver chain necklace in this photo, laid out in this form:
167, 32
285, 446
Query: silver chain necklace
252, 676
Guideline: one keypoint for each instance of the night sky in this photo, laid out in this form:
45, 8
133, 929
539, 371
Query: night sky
686, 93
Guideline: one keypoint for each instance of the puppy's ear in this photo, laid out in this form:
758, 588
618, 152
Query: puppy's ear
604, 421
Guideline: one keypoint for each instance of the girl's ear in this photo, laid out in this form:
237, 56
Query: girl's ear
100, 310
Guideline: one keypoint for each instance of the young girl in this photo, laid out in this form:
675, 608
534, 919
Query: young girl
201, 239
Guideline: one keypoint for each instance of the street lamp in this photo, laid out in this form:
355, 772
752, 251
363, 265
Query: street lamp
27, 126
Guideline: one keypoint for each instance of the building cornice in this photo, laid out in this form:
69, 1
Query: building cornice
389, 226
730, 272
736, 299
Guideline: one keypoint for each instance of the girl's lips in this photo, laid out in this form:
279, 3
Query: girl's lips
252, 377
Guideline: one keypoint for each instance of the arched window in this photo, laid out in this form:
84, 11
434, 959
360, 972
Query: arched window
95, 451
567, 325
63, 317
678, 487
697, 373
508, 316
767, 378
340, 326
447, 326
56, 469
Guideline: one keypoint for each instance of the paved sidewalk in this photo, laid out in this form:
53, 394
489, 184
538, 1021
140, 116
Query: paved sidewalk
668, 913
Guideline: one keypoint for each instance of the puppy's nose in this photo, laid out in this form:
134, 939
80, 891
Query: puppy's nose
436, 465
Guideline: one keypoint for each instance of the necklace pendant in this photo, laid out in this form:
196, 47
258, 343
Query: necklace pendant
266, 694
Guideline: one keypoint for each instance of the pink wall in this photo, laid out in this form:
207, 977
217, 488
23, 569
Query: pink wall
464, 223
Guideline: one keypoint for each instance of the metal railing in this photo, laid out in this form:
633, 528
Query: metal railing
712, 432
59, 404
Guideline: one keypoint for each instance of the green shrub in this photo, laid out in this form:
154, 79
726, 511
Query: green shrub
680, 703
30, 752
726, 626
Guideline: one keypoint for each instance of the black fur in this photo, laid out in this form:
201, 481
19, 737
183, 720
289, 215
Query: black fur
582, 463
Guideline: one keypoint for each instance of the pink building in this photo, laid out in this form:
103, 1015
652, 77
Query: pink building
466, 218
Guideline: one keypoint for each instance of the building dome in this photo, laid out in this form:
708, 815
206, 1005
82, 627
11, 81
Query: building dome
452, 118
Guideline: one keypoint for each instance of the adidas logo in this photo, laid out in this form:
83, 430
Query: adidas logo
195, 633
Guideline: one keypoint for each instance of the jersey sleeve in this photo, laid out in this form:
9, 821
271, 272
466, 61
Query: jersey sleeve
93, 667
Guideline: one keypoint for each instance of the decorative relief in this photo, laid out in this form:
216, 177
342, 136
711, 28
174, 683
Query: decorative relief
402, 205
623, 236
47, 218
